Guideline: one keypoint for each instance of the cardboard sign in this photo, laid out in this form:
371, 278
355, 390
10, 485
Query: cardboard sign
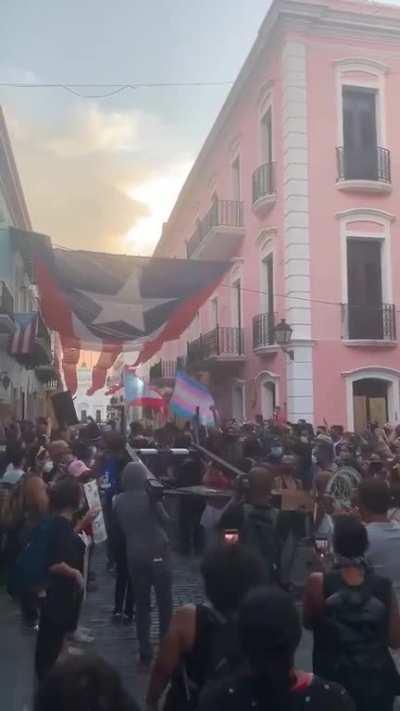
296, 500
93, 501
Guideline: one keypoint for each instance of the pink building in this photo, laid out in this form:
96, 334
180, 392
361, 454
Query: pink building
298, 185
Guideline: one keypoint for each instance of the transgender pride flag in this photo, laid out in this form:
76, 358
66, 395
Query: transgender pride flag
189, 394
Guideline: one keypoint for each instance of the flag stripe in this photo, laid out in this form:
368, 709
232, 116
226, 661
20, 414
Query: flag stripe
188, 395
177, 323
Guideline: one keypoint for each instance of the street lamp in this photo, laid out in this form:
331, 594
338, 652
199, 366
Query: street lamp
5, 380
283, 336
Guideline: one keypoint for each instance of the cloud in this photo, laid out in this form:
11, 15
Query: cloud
159, 193
91, 173
92, 131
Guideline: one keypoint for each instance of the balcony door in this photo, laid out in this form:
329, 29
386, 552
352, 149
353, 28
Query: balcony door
267, 286
266, 137
364, 279
370, 402
360, 142
214, 312
238, 402
236, 180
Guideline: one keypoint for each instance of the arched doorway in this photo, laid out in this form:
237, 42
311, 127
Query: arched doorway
238, 402
370, 402
372, 395
268, 398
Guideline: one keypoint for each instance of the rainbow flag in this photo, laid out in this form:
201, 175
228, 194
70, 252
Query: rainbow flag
189, 394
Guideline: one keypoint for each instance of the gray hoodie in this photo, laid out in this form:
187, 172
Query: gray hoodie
142, 521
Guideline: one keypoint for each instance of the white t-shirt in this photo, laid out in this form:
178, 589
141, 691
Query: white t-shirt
384, 549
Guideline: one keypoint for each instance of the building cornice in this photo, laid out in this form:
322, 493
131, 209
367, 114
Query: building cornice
345, 18
10, 183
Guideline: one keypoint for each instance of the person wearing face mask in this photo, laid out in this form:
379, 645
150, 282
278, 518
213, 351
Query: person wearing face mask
61, 456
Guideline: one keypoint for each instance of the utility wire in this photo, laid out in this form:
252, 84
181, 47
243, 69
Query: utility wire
112, 88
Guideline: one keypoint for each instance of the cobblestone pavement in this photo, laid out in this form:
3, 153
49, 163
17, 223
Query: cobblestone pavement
117, 644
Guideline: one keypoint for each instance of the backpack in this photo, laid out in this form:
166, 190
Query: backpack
357, 622
259, 533
216, 654
31, 568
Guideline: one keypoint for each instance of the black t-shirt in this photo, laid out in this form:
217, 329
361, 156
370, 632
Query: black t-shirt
63, 594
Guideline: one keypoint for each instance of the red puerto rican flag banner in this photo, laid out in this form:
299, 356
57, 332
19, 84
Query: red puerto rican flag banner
114, 303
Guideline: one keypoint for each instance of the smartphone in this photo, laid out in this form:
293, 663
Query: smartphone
231, 536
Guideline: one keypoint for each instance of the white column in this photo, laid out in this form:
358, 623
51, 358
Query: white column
300, 395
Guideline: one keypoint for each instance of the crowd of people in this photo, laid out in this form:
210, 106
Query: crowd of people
253, 492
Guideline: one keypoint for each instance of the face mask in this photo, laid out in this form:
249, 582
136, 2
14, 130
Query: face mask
48, 466
276, 451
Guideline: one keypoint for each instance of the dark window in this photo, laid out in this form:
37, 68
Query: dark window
360, 134
365, 309
268, 265
266, 136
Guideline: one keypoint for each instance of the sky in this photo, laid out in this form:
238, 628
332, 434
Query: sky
103, 174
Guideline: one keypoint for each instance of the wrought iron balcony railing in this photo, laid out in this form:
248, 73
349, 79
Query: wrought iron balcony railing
222, 213
373, 164
264, 182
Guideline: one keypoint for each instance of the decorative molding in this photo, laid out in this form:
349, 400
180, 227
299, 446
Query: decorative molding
268, 374
363, 214
364, 186
234, 147
371, 368
357, 64
264, 95
265, 236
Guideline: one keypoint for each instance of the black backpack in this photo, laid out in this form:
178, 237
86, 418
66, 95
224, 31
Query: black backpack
356, 622
216, 655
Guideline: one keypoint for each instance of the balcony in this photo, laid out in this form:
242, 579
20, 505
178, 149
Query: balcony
7, 321
219, 234
162, 372
224, 344
366, 325
264, 334
369, 172
264, 187
31, 343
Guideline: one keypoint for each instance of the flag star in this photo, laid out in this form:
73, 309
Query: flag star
127, 305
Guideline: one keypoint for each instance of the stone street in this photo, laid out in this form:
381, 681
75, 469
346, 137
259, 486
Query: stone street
117, 644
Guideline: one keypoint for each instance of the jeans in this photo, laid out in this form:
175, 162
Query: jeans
290, 530
124, 596
48, 646
145, 575
191, 533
